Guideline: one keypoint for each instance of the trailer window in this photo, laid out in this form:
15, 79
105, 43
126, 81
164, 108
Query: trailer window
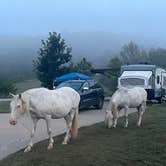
158, 79
132, 82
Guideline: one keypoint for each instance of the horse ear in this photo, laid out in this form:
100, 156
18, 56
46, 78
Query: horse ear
12, 95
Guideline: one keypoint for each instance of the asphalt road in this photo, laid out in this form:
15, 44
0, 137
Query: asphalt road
14, 138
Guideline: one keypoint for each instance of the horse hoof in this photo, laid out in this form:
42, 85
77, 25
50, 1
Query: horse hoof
28, 149
50, 146
64, 143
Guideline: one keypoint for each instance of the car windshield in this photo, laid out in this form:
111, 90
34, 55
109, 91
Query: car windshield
74, 85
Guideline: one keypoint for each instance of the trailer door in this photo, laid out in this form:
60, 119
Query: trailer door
163, 80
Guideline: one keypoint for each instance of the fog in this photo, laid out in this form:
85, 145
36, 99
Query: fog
94, 29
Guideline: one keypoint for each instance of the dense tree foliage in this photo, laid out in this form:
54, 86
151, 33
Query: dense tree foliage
110, 79
83, 66
115, 63
53, 59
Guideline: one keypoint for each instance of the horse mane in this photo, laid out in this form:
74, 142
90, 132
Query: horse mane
25, 102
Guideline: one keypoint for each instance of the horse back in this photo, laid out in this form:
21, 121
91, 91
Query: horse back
129, 97
57, 103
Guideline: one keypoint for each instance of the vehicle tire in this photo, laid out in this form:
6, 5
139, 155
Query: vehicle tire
100, 103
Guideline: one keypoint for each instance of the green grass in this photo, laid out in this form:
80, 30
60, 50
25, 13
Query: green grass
97, 146
4, 106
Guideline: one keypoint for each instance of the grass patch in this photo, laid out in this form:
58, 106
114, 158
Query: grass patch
96, 145
4, 106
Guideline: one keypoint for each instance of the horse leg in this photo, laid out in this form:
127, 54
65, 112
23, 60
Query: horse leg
69, 119
115, 118
32, 134
126, 117
141, 110
49, 131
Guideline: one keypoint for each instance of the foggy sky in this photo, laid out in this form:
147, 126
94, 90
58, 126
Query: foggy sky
38, 17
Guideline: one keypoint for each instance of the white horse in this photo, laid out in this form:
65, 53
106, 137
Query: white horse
41, 103
124, 99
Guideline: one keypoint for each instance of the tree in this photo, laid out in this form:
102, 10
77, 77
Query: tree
132, 54
115, 63
83, 67
158, 57
54, 58
109, 79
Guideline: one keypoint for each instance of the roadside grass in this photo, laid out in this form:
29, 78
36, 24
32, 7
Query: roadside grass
4, 106
97, 146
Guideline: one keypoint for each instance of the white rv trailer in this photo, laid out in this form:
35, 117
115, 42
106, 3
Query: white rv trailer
150, 77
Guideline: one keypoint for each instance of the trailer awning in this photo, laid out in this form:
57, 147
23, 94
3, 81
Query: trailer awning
145, 74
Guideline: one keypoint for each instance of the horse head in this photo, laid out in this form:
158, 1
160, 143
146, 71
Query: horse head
17, 108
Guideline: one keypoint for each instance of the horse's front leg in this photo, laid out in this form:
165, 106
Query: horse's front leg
141, 110
32, 134
69, 119
126, 117
115, 118
49, 131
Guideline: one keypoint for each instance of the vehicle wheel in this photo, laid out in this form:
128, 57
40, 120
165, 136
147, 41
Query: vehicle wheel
100, 103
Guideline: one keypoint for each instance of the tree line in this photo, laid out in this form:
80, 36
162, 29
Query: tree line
131, 53
55, 59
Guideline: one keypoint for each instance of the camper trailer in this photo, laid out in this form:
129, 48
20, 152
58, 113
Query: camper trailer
150, 77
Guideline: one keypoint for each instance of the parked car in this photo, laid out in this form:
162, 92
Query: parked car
91, 93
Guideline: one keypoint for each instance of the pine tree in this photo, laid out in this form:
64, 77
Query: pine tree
54, 58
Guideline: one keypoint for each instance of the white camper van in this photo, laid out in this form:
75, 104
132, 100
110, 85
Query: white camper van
150, 77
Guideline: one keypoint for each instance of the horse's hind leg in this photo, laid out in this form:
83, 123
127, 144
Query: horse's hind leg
29, 147
69, 119
141, 110
49, 131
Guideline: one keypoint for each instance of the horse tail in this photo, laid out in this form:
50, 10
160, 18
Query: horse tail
74, 128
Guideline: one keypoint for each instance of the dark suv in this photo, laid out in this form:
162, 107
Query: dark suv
92, 94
